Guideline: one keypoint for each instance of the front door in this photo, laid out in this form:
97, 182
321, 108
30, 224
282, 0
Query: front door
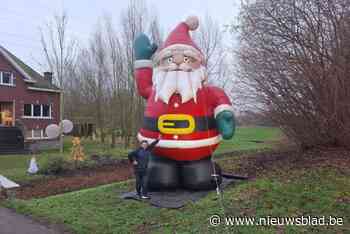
6, 114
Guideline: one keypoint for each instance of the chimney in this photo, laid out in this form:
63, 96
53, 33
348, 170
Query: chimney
48, 76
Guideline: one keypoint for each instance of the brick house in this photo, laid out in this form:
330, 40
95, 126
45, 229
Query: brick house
28, 99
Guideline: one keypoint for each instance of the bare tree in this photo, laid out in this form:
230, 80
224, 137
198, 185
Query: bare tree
59, 52
100, 56
134, 20
294, 60
117, 67
209, 38
155, 30
102, 80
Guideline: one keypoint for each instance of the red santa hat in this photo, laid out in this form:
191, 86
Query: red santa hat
180, 38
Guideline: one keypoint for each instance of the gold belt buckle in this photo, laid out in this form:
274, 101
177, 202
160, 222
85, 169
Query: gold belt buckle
167, 124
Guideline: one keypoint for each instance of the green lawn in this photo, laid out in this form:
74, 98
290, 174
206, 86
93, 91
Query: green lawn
15, 166
287, 189
313, 192
251, 138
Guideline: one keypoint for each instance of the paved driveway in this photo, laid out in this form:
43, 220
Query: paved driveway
13, 223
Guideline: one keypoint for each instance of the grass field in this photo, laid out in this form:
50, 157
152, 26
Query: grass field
251, 138
313, 192
294, 188
15, 166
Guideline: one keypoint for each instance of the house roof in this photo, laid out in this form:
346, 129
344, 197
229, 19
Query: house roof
36, 80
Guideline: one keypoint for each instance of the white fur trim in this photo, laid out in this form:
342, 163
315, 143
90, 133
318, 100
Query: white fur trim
221, 108
143, 63
184, 47
182, 144
192, 22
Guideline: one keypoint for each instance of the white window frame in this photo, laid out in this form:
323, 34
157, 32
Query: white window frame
41, 112
12, 79
42, 137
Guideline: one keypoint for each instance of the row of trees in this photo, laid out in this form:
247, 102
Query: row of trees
291, 67
98, 78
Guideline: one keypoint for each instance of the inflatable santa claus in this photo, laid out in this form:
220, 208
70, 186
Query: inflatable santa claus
191, 115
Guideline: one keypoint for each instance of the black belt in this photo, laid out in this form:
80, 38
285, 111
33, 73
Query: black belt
201, 123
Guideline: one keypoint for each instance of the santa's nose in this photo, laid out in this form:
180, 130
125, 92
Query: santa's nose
178, 59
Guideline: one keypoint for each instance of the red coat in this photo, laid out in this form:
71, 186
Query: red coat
188, 129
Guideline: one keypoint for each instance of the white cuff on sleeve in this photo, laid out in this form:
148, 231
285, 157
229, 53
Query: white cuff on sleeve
221, 108
143, 63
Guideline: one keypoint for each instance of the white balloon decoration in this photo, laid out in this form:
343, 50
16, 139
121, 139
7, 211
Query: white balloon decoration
52, 131
67, 126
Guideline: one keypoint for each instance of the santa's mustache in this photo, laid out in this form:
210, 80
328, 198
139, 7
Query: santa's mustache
178, 79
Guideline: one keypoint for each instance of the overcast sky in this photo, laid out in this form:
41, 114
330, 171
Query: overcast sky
20, 19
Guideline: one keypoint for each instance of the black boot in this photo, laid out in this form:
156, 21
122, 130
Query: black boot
162, 173
199, 175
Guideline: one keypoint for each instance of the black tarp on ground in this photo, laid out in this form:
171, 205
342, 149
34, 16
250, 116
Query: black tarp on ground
173, 199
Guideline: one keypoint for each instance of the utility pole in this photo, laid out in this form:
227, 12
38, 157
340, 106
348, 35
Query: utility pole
61, 25
61, 119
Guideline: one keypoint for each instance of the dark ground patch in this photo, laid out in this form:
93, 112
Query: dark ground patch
266, 163
13, 223
174, 199
75, 180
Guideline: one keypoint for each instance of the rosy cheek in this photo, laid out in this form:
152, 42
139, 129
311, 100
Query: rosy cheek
195, 65
162, 65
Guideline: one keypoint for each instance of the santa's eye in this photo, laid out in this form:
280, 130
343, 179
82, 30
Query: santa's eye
170, 59
186, 59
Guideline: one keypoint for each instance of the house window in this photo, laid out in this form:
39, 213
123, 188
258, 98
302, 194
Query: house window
29, 134
27, 109
46, 110
37, 111
36, 134
6, 78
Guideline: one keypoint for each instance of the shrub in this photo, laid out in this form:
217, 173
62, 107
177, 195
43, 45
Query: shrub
53, 166
294, 61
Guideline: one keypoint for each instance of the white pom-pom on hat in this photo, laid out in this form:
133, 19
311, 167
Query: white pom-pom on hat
192, 22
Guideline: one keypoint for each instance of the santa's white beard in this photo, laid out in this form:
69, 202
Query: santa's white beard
186, 83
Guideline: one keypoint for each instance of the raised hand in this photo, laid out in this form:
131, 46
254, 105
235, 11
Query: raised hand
143, 48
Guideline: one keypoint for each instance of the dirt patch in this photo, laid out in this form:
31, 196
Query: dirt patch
75, 180
265, 163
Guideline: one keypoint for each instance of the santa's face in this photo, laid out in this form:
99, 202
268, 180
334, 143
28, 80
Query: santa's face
178, 71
